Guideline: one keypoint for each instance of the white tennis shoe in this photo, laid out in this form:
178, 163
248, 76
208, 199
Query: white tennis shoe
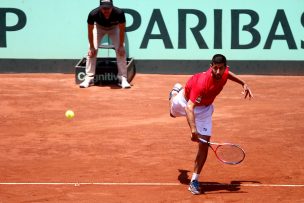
176, 89
123, 82
194, 187
87, 83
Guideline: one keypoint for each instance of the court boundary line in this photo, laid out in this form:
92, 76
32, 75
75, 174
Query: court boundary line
146, 184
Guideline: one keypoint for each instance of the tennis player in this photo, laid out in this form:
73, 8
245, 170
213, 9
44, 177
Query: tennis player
195, 102
106, 20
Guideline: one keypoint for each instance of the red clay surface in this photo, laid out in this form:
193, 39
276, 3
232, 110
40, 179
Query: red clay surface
126, 136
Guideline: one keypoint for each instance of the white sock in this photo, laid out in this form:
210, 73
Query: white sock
195, 176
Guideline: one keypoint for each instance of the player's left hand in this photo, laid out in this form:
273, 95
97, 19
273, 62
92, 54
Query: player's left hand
247, 92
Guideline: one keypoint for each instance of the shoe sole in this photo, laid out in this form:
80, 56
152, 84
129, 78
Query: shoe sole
174, 90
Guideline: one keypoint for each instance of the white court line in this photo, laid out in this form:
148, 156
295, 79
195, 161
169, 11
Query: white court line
152, 184
78, 184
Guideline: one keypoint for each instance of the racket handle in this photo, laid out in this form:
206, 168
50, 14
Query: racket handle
202, 140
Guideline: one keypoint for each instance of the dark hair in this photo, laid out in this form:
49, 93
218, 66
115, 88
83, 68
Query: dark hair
106, 3
219, 58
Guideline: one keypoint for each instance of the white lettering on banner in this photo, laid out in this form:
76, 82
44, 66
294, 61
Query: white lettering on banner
99, 77
81, 76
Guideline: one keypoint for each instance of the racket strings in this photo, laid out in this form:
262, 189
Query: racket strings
230, 154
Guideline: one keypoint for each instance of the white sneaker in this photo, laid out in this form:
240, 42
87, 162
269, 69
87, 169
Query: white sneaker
86, 83
176, 89
123, 83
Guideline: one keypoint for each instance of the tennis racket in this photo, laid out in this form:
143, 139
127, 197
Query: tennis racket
226, 152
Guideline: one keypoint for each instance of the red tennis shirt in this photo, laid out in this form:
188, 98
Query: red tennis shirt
202, 88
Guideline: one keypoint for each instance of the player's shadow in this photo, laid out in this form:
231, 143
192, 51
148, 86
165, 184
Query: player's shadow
232, 187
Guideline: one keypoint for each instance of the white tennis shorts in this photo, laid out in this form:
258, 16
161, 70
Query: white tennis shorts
203, 114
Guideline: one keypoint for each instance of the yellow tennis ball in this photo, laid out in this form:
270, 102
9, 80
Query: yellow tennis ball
69, 114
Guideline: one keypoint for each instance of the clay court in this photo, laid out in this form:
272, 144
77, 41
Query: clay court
122, 146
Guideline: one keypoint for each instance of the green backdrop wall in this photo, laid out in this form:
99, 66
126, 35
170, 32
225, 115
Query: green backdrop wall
262, 37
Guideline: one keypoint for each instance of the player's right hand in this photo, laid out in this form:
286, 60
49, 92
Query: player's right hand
92, 52
194, 137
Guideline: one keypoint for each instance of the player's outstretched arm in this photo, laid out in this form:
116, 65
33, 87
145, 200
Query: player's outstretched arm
191, 120
246, 90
